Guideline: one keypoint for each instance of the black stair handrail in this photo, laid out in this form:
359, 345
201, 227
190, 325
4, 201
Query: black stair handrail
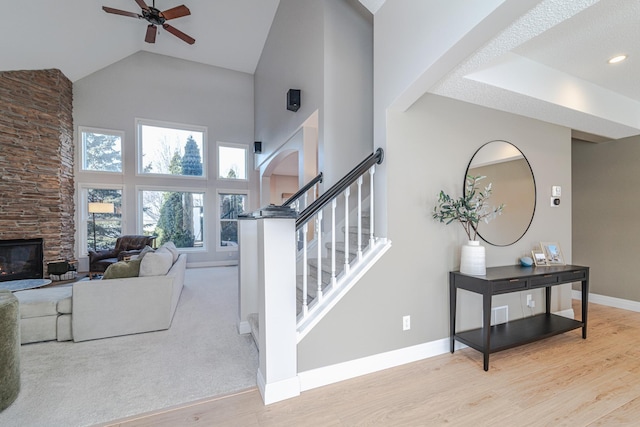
303, 190
339, 187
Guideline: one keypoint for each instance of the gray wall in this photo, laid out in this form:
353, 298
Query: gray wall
150, 86
325, 49
428, 149
605, 214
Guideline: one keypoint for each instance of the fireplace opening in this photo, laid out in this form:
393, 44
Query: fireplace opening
21, 259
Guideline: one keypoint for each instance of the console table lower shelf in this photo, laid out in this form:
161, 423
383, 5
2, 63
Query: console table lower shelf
507, 279
518, 332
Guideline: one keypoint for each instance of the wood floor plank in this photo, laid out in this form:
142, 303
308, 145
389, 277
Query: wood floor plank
561, 381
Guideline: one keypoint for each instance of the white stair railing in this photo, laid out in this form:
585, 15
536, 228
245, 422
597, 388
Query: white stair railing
329, 282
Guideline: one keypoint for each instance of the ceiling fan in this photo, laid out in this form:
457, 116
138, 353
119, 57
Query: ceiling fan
155, 17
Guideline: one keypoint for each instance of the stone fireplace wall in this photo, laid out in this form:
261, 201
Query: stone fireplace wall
36, 160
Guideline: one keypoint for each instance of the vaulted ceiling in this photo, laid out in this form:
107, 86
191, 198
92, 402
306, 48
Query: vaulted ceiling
550, 64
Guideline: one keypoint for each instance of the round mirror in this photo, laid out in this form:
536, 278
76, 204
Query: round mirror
512, 182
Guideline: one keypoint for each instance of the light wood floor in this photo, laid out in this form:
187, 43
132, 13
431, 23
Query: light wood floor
561, 381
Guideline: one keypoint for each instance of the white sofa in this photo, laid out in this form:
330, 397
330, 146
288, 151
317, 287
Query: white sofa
108, 308
95, 309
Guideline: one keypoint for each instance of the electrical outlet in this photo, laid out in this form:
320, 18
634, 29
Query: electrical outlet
530, 302
406, 323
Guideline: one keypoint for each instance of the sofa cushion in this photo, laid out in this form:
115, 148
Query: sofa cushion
122, 269
143, 252
44, 301
171, 247
156, 263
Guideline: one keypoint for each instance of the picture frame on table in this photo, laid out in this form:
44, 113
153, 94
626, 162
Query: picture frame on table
539, 258
553, 252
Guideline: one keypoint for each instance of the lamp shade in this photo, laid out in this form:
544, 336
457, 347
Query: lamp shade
99, 207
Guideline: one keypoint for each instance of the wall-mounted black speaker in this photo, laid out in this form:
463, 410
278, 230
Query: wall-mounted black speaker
257, 147
293, 100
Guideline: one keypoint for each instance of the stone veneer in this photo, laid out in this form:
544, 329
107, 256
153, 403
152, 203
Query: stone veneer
36, 160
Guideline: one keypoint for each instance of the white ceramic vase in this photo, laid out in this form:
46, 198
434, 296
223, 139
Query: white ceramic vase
472, 259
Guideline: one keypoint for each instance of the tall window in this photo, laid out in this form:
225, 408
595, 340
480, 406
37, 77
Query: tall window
230, 206
171, 149
232, 161
101, 150
104, 220
176, 216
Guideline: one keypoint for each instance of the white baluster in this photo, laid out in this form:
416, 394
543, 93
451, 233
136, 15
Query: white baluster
359, 248
305, 267
319, 231
371, 193
347, 193
334, 205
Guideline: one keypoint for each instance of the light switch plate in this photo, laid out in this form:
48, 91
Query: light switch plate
556, 191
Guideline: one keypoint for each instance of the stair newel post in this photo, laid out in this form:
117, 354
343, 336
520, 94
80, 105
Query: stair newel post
247, 272
319, 231
305, 267
277, 376
359, 248
372, 171
334, 205
347, 193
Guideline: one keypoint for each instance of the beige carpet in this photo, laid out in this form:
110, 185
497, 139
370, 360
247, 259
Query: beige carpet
201, 355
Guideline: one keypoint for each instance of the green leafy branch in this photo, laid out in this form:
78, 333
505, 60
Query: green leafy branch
469, 209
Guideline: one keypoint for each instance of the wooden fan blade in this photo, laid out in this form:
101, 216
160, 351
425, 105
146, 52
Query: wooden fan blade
176, 12
152, 30
176, 32
142, 4
120, 12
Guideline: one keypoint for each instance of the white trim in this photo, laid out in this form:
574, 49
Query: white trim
81, 148
169, 125
204, 264
354, 368
241, 192
139, 189
243, 327
320, 377
609, 301
279, 390
245, 147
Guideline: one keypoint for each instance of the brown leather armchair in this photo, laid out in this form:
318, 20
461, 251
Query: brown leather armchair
126, 246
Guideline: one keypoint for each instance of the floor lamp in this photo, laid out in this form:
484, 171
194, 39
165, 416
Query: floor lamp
98, 207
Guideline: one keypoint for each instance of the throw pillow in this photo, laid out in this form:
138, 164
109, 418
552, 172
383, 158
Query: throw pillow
173, 249
144, 251
156, 263
122, 269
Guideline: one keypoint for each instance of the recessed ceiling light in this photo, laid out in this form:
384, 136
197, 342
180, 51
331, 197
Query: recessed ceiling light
617, 59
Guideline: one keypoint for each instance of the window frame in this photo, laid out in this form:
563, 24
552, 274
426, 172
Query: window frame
168, 188
139, 122
245, 147
83, 209
82, 153
219, 191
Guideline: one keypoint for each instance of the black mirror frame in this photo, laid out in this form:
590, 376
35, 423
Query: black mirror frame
535, 190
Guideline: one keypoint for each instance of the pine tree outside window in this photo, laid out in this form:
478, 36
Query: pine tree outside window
101, 150
232, 161
171, 149
230, 205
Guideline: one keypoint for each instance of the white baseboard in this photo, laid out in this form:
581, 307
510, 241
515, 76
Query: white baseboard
354, 368
277, 391
609, 301
243, 327
204, 264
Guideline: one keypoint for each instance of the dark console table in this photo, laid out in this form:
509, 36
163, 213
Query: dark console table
514, 278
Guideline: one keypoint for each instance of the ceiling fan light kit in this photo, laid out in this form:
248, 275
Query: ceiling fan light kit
156, 18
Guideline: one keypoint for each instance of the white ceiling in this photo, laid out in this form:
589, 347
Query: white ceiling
550, 64
79, 38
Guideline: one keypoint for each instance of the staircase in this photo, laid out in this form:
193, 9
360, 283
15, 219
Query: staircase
326, 263
321, 254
